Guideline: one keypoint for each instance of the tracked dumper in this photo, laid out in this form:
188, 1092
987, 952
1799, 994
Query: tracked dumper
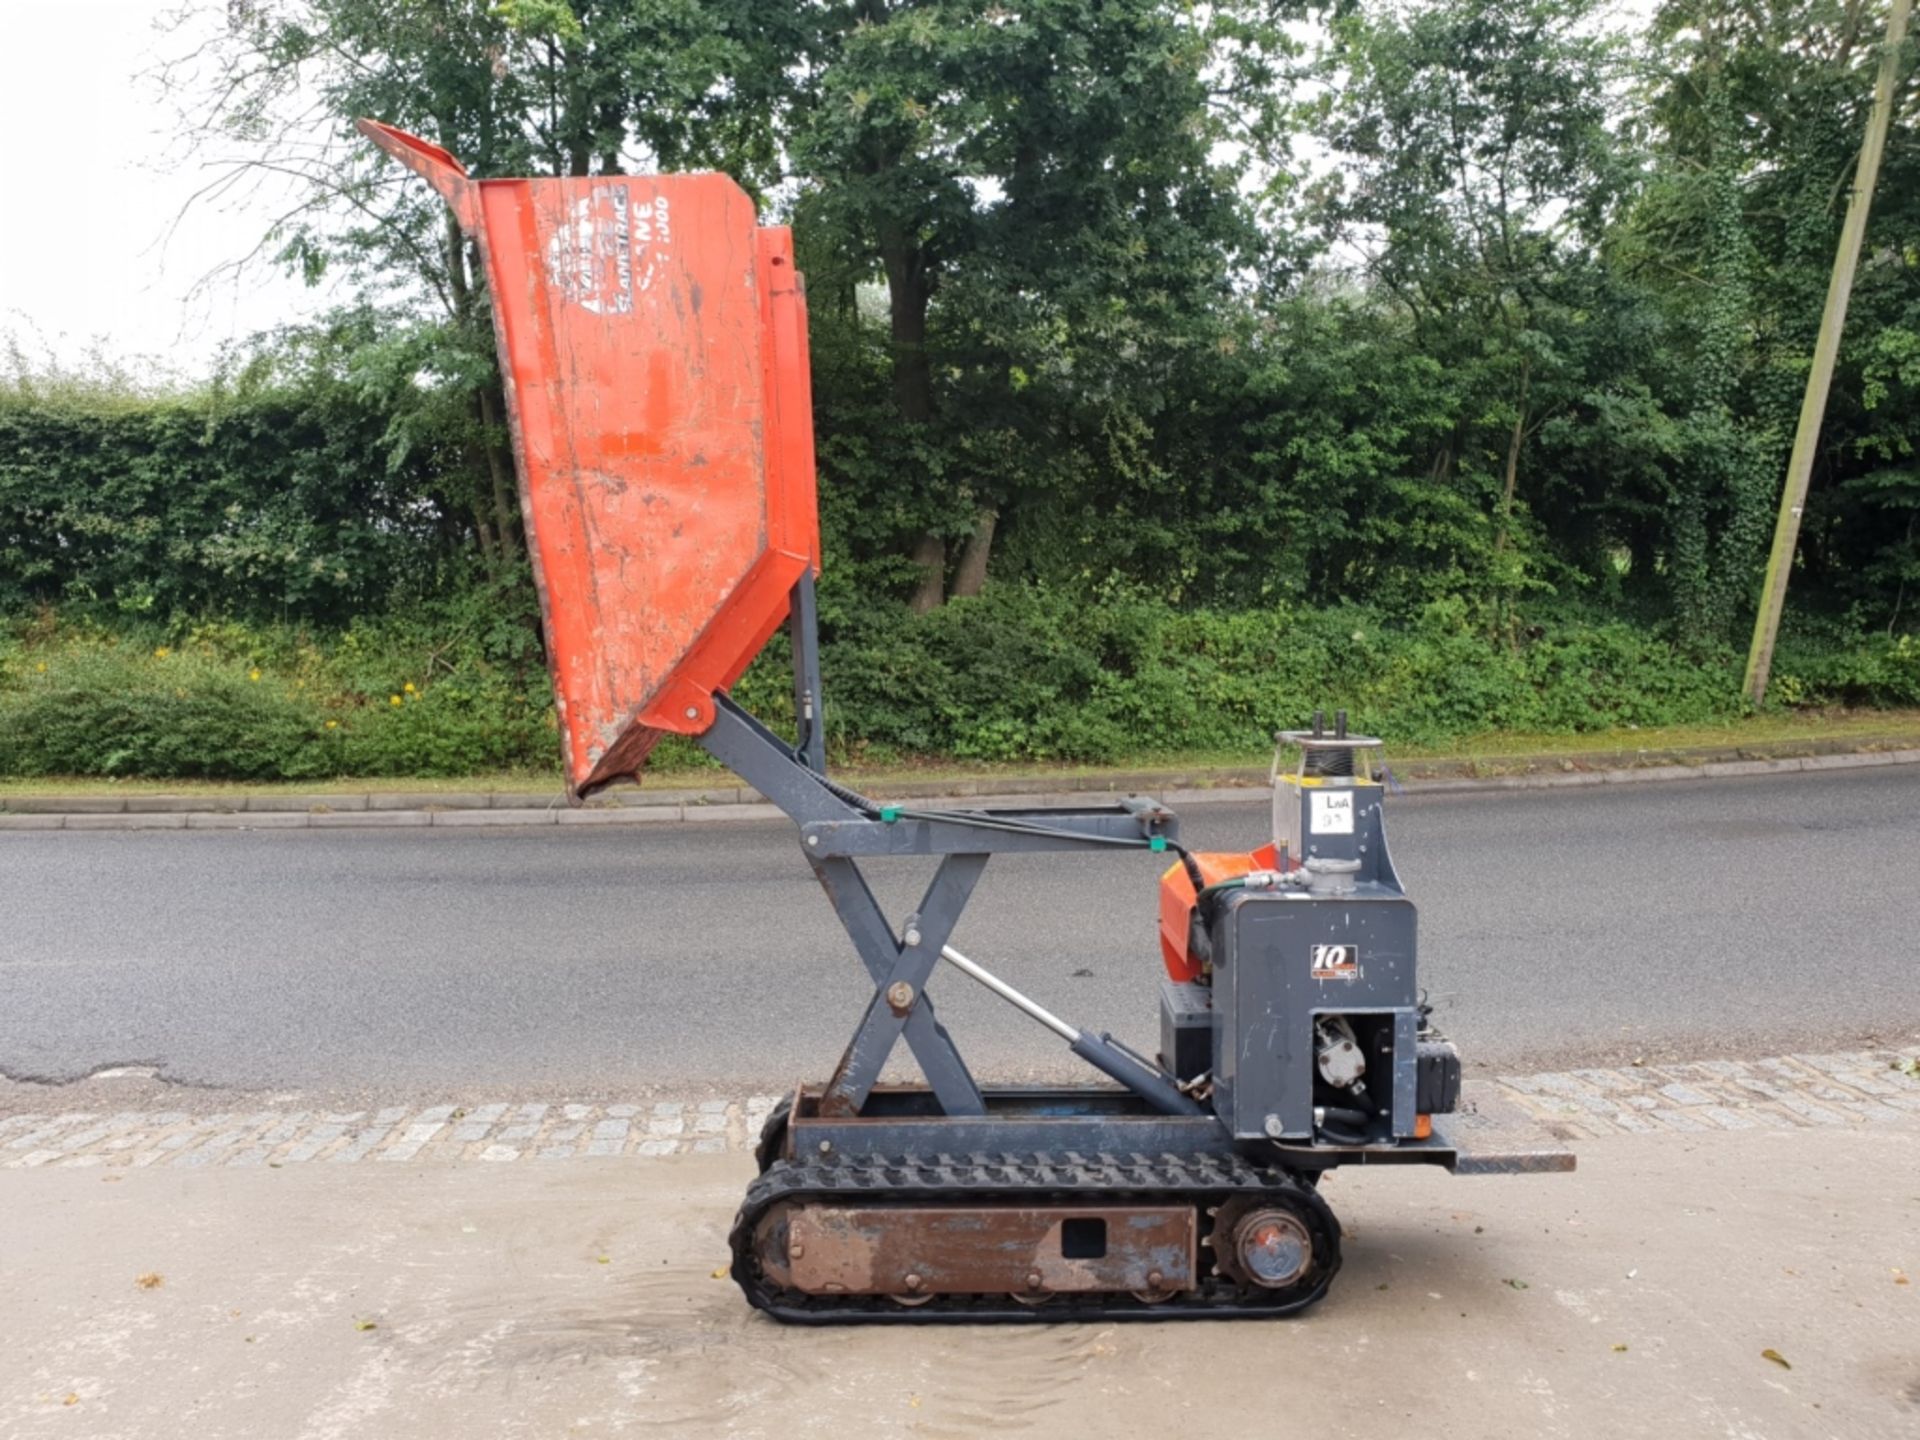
653, 338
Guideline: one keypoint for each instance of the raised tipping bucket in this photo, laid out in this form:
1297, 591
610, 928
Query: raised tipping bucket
653, 336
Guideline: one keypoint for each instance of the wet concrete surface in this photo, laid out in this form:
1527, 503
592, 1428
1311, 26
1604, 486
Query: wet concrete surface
1636, 1297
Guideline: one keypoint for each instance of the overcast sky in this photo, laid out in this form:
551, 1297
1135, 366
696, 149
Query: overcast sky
93, 181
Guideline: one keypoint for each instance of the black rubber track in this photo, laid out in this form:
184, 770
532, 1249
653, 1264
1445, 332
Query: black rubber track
773, 1135
1203, 1181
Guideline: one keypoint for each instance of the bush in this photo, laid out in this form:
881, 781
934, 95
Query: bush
1024, 673
107, 708
1018, 673
1877, 670
230, 702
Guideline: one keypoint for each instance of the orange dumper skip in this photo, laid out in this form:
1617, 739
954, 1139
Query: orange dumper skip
653, 342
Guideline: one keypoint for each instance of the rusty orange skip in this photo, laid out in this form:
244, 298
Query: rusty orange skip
653, 339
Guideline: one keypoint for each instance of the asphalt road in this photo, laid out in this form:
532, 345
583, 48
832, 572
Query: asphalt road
1558, 927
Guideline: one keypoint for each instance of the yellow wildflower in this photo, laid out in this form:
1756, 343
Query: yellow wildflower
161, 652
333, 724
408, 687
254, 675
393, 699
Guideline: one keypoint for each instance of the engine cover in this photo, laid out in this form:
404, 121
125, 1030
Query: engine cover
1284, 958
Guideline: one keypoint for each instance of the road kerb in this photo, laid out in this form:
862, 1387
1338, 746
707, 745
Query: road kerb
241, 820
461, 809
126, 822
492, 817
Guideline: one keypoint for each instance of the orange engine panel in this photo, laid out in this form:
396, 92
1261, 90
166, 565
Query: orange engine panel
1177, 898
653, 339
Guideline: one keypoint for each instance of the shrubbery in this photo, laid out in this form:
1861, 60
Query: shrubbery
1020, 673
235, 702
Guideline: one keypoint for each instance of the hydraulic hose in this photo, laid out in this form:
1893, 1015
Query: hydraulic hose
1341, 1137
1003, 823
1342, 1115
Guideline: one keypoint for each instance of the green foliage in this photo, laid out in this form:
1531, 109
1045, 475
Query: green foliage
1020, 673
449, 690
107, 708
1872, 670
279, 502
1469, 415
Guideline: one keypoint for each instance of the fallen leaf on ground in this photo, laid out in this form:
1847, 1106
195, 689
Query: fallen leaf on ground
1899, 1277
152, 1280
603, 1260
1909, 1066
1619, 1349
1776, 1357
366, 1324
72, 1399
1518, 1284
719, 1274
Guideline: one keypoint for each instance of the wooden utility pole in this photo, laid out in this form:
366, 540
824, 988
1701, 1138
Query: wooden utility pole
1806, 439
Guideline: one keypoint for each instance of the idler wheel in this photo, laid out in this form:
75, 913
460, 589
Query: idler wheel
1282, 1242
1272, 1248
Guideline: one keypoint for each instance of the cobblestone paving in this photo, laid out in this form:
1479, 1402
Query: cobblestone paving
1862, 1087
1792, 1091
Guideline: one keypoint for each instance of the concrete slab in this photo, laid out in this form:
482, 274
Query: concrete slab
311, 803
66, 804
227, 820
181, 804
493, 817
716, 795
377, 819
1749, 767
126, 822
431, 800
619, 815
1846, 761
732, 812
1636, 1298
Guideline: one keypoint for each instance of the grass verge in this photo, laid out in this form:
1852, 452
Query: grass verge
1490, 752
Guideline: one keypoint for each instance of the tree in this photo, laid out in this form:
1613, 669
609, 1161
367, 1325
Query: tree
1041, 192
1477, 172
512, 87
1754, 114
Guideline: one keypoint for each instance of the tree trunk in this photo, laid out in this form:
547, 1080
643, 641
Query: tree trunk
908, 293
930, 558
506, 496
1512, 481
1511, 484
489, 547
971, 573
